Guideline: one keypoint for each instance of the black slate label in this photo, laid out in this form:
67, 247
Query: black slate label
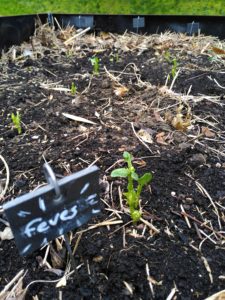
38, 217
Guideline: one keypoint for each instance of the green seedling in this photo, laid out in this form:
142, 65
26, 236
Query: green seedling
16, 119
114, 57
95, 63
174, 67
167, 56
133, 193
174, 63
73, 89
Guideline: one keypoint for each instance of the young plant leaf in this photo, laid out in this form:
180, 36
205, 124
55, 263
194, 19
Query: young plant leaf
134, 175
145, 179
127, 156
120, 172
16, 119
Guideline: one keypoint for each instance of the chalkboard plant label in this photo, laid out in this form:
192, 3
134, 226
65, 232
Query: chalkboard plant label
38, 217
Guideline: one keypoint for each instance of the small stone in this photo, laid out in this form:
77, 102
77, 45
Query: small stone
105, 84
98, 259
185, 146
186, 207
173, 194
189, 201
179, 137
197, 160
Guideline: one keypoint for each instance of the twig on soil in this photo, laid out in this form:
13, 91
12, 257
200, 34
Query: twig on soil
94, 162
7, 177
206, 194
211, 149
112, 77
223, 207
152, 227
44, 262
144, 230
206, 264
172, 293
124, 237
88, 87
143, 143
201, 224
121, 198
149, 281
205, 47
88, 267
111, 233
104, 223
197, 231
4, 221
8, 286
78, 119
207, 237
111, 194
186, 219
198, 119
19, 282
49, 281
174, 79
77, 243
219, 85
76, 36
112, 166
129, 288
57, 89
114, 212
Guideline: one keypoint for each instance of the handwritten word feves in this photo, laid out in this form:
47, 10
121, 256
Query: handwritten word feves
40, 225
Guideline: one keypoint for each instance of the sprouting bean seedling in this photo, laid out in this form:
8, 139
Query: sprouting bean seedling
16, 119
95, 63
133, 193
173, 62
114, 57
174, 67
73, 89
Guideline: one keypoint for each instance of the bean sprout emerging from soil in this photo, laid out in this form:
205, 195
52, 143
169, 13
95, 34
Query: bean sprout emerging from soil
133, 194
95, 63
16, 119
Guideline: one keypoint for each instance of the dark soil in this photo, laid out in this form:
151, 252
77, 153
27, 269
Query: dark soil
188, 166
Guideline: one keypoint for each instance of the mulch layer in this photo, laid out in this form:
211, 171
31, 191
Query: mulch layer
159, 97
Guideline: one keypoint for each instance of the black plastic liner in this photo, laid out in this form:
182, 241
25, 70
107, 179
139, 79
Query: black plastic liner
15, 30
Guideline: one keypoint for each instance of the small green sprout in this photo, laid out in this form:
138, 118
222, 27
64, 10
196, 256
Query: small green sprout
174, 63
16, 119
73, 89
167, 56
174, 67
95, 63
133, 194
114, 57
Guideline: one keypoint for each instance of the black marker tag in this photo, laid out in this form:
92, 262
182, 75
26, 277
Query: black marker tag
38, 217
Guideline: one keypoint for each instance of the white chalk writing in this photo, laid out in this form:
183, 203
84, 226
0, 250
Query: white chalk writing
42, 204
38, 225
85, 187
23, 213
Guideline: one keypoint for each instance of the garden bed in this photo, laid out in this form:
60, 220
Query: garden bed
159, 97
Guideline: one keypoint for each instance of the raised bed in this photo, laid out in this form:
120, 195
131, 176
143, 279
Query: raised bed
160, 97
